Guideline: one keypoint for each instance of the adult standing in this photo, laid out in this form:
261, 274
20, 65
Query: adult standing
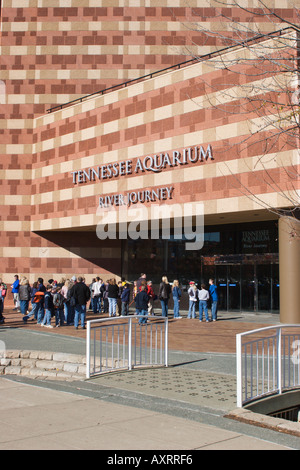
97, 295
41, 309
203, 296
192, 292
213, 291
142, 280
24, 295
81, 294
34, 304
2, 296
164, 295
15, 291
176, 292
151, 296
3, 292
112, 294
104, 290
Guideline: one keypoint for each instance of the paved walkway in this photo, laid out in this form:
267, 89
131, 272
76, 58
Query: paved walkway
179, 408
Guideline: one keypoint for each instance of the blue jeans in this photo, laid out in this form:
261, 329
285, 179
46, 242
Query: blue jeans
125, 308
192, 306
34, 311
214, 309
59, 316
80, 311
24, 306
203, 307
164, 307
142, 312
69, 313
40, 313
176, 307
112, 303
97, 304
47, 317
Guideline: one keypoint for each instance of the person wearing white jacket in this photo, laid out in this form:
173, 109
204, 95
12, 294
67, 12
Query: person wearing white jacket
192, 300
203, 296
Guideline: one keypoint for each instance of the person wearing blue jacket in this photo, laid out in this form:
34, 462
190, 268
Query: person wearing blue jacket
15, 292
213, 291
176, 292
141, 304
125, 297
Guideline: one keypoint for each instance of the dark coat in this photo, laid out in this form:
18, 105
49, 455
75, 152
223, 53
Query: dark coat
81, 293
113, 291
164, 290
141, 300
125, 297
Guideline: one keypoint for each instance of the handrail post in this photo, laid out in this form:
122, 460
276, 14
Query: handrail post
166, 342
130, 343
88, 349
239, 380
279, 364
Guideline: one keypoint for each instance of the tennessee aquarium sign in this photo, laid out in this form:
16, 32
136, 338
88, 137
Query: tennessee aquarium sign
150, 163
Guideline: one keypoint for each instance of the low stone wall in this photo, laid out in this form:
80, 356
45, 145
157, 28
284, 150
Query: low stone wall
44, 364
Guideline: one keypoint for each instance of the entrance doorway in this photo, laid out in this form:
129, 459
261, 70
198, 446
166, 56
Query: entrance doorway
249, 287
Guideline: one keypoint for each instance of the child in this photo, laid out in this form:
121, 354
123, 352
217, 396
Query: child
48, 307
176, 292
58, 302
125, 296
141, 304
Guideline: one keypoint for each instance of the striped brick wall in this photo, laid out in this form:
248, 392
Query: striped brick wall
50, 55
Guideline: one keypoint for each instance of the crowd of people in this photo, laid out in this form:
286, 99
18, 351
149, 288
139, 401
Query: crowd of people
66, 301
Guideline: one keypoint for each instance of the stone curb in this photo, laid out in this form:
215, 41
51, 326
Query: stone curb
44, 364
264, 421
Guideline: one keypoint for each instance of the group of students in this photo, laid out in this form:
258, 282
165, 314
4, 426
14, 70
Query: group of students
110, 297
144, 297
66, 300
203, 296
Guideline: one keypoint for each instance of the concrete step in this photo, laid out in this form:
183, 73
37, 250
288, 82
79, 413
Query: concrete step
34, 364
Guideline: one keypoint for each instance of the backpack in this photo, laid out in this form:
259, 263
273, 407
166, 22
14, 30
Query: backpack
58, 300
38, 297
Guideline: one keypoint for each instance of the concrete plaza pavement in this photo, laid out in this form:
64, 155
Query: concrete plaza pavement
179, 408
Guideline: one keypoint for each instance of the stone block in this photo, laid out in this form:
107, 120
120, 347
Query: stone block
28, 362
44, 364
5, 362
25, 354
12, 354
70, 368
16, 362
14, 370
45, 355
81, 370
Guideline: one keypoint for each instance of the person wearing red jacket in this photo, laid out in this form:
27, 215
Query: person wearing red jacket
151, 296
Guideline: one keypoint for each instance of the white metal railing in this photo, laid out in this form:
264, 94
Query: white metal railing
268, 362
122, 343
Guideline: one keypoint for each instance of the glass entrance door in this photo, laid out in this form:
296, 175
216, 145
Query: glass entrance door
264, 287
222, 284
234, 283
248, 287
